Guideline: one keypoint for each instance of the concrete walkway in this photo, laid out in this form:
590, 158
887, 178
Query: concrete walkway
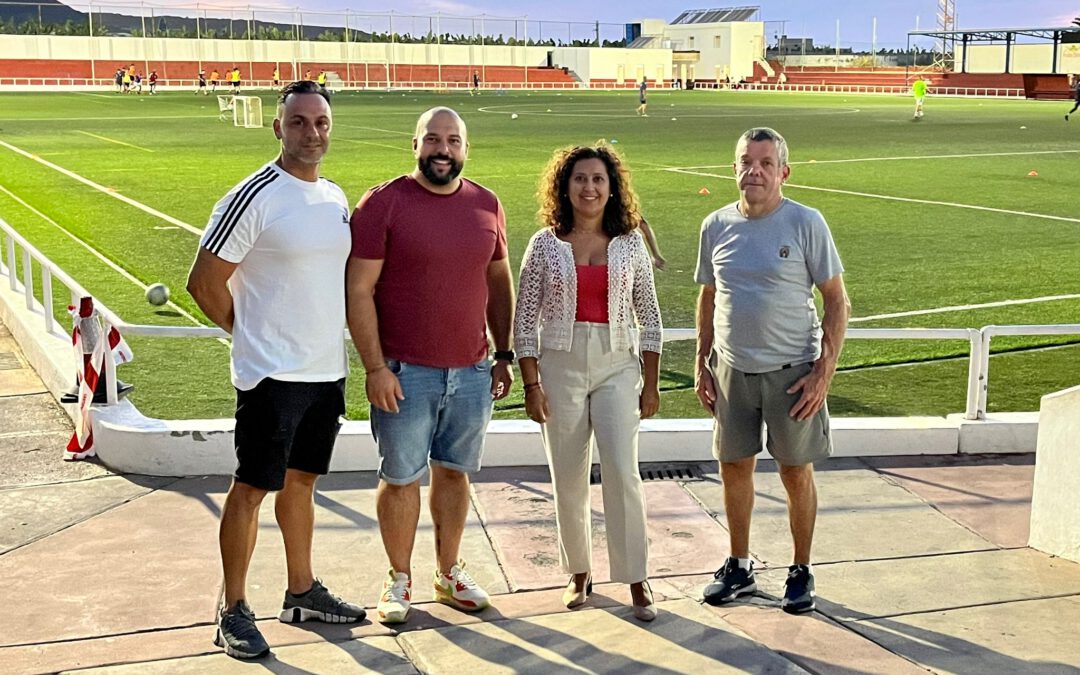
921, 565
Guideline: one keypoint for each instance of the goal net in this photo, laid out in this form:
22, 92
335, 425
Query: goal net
247, 112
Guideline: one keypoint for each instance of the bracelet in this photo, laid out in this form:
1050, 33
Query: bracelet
532, 385
375, 369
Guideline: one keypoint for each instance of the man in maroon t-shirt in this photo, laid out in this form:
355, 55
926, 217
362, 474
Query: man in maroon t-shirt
427, 279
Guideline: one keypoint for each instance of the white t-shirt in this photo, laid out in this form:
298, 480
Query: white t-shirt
291, 240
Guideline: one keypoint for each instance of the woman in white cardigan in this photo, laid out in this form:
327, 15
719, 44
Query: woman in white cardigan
588, 336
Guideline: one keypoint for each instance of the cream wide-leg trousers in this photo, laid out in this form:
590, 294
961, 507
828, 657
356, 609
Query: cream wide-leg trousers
593, 392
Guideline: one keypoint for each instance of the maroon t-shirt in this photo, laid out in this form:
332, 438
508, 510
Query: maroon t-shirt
432, 293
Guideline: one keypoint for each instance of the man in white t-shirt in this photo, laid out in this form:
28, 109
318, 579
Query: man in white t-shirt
271, 271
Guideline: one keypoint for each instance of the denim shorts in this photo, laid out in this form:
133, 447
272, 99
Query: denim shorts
442, 420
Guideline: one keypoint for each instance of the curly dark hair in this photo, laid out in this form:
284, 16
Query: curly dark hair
622, 214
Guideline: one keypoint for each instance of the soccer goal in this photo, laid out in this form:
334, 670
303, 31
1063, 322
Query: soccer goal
247, 112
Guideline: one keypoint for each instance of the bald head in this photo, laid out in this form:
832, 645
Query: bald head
442, 116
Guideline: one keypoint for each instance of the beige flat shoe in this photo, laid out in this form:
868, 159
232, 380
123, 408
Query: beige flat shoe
572, 597
646, 612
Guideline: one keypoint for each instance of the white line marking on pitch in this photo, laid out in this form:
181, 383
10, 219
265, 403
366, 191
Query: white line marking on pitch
907, 157
112, 118
964, 308
97, 254
380, 145
109, 191
112, 140
891, 198
957, 357
607, 113
389, 131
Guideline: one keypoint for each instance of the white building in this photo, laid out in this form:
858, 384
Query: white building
707, 44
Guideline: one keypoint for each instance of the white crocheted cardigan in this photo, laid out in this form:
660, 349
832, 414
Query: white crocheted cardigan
547, 296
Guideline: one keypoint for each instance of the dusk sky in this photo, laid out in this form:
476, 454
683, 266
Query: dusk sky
805, 18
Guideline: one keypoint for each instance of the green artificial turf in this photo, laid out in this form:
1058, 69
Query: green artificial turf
171, 153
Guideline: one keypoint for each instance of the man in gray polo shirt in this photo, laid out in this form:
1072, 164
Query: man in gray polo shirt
763, 357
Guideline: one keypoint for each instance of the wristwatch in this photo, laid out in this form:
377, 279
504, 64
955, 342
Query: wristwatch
504, 355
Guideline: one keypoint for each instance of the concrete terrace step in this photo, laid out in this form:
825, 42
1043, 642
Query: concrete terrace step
136, 580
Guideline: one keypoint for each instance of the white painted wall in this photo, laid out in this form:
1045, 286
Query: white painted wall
1034, 58
116, 49
1055, 506
604, 64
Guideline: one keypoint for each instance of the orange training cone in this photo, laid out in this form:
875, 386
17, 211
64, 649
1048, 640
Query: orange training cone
704, 191
1033, 174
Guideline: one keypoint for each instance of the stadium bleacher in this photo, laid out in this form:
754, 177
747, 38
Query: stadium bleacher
50, 71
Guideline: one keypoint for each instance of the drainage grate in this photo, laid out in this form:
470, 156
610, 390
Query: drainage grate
680, 471
8, 361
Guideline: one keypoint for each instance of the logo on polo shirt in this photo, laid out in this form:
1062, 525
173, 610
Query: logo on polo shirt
345, 216
785, 251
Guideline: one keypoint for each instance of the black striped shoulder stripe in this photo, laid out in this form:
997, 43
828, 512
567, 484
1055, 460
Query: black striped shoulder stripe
239, 203
237, 198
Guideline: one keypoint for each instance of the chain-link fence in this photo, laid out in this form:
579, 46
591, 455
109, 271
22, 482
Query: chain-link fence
842, 51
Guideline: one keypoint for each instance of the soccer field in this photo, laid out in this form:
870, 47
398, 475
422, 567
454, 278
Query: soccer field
938, 222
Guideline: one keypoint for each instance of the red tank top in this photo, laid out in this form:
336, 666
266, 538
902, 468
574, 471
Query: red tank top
592, 293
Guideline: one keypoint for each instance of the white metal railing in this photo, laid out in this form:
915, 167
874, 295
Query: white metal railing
978, 338
894, 90
86, 84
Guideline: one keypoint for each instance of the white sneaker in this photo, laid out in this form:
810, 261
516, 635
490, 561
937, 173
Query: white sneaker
458, 589
396, 598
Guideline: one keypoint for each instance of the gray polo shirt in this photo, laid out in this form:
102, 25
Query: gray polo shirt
764, 271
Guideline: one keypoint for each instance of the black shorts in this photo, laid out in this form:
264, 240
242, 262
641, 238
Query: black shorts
286, 425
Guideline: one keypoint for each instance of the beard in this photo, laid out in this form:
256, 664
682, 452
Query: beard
428, 169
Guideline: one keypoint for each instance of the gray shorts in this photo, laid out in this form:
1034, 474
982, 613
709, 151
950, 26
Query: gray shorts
746, 400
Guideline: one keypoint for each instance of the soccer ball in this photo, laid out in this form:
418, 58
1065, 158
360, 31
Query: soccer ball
513, 116
157, 294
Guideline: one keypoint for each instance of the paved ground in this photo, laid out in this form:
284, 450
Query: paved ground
921, 566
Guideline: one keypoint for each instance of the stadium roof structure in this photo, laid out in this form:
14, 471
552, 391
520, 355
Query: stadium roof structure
996, 34
722, 15
1059, 35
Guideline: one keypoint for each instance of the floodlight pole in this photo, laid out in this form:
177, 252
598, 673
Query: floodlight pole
251, 50
146, 45
873, 43
348, 50
90, 28
837, 48
946, 17
296, 44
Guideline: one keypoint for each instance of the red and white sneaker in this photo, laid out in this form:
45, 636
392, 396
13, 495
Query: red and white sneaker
458, 589
396, 598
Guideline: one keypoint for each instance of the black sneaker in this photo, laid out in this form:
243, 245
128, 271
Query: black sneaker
798, 590
729, 582
238, 634
319, 604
